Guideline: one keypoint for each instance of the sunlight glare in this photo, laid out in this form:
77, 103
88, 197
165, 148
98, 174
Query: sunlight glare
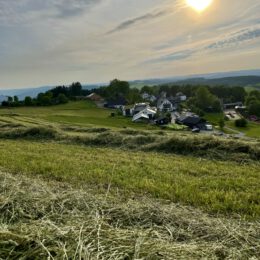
199, 5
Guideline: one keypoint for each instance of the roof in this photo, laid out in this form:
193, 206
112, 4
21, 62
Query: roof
140, 115
117, 102
179, 94
91, 95
190, 120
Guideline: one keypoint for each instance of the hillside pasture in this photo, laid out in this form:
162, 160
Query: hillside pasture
83, 113
71, 188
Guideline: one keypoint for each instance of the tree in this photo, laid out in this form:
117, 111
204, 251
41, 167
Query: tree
204, 98
10, 99
147, 89
62, 99
221, 123
205, 101
75, 89
16, 99
254, 108
28, 101
134, 96
44, 99
5, 103
117, 88
241, 122
60, 90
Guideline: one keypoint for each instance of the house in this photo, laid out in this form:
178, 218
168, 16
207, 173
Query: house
141, 117
127, 112
138, 107
146, 114
192, 121
232, 105
116, 103
164, 104
148, 97
95, 97
181, 97
177, 99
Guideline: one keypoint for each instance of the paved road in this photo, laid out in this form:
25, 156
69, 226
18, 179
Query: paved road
237, 133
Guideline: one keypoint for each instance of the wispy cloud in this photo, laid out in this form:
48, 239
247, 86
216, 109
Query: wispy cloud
175, 7
67, 8
225, 41
140, 19
16, 12
236, 38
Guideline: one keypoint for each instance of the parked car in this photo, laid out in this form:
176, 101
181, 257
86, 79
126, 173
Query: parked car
195, 130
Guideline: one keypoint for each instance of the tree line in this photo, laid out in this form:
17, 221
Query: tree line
55, 96
200, 98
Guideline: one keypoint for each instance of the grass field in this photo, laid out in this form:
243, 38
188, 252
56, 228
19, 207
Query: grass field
222, 187
71, 188
84, 113
252, 129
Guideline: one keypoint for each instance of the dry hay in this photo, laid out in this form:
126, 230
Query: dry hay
48, 220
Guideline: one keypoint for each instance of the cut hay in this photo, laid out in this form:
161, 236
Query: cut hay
40, 220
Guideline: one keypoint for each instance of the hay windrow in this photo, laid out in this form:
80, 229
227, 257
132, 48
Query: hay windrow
185, 144
51, 220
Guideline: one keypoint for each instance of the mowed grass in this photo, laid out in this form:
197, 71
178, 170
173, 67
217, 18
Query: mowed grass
252, 129
216, 187
83, 113
214, 118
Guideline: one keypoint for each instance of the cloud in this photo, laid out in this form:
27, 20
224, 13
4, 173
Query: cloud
230, 40
144, 18
173, 8
236, 38
175, 56
67, 8
22, 11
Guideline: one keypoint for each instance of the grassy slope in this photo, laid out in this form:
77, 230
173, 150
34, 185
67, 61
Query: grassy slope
70, 201
86, 114
214, 186
51, 220
252, 130
77, 113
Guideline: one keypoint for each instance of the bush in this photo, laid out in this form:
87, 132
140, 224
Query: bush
241, 122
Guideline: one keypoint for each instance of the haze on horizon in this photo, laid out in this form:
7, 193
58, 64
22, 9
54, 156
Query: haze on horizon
61, 41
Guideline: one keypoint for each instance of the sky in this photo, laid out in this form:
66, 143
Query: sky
55, 42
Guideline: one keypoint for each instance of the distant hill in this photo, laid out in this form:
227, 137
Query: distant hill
22, 93
242, 81
245, 78
33, 92
233, 78
2, 98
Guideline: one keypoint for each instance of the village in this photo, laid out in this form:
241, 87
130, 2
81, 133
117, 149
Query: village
161, 111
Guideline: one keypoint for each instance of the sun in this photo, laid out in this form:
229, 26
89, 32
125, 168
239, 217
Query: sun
199, 5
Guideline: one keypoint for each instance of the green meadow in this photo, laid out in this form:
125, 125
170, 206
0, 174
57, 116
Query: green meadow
83, 113
77, 183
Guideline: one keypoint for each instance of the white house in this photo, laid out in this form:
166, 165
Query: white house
138, 107
146, 114
181, 96
148, 97
164, 104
